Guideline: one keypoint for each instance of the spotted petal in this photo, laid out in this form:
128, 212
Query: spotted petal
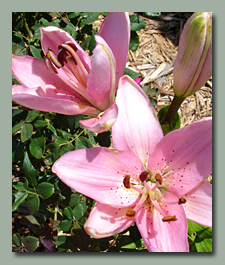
98, 173
198, 207
184, 157
163, 236
137, 128
105, 221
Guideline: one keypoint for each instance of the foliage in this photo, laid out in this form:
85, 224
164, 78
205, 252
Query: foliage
48, 216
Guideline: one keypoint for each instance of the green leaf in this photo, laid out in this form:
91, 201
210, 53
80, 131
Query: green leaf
51, 128
82, 142
74, 199
32, 219
174, 125
30, 243
65, 225
131, 73
40, 123
73, 15
68, 213
80, 238
26, 132
33, 204
52, 153
79, 210
204, 245
29, 170
136, 23
45, 190
90, 17
20, 198
152, 14
19, 186
37, 146
134, 41
17, 126
66, 148
17, 239
32, 114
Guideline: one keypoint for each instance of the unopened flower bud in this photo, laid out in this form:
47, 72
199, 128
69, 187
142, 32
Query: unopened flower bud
193, 65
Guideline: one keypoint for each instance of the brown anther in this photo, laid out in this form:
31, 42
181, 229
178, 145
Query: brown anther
72, 45
62, 54
182, 200
158, 178
130, 213
126, 181
143, 176
169, 218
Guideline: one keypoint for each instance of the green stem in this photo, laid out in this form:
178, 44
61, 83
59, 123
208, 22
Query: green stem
175, 105
26, 27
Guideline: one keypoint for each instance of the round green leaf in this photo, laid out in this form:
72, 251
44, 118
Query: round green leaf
65, 225
17, 239
45, 190
79, 210
37, 146
33, 204
30, 243
68, 213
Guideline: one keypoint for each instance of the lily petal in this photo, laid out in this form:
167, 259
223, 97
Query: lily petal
184, 156
51, 99
101, 80
198, 207
98, 173
115, 30
52, 37
137, 128
105, 221
31, 72
103, 122
163, 236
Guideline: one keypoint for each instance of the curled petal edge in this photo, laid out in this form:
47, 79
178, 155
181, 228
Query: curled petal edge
103, 122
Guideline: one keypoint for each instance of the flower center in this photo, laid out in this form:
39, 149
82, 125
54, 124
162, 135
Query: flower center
69, 60
151, 194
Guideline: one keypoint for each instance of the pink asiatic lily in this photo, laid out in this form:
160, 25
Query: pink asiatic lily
154, 180
69, 81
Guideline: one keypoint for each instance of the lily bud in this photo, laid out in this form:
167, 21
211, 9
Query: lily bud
193, 65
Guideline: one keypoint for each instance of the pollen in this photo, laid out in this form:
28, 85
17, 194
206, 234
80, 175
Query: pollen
130, 213
126, 181
169, 218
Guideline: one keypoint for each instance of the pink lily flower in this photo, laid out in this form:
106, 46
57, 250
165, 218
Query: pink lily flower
69, 81
154, 180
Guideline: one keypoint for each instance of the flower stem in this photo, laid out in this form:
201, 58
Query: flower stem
175, 105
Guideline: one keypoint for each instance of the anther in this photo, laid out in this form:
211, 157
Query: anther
143, 176
130, 213
53, 57
182, 201
126, 181
158, 178
49, 64
169, 218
